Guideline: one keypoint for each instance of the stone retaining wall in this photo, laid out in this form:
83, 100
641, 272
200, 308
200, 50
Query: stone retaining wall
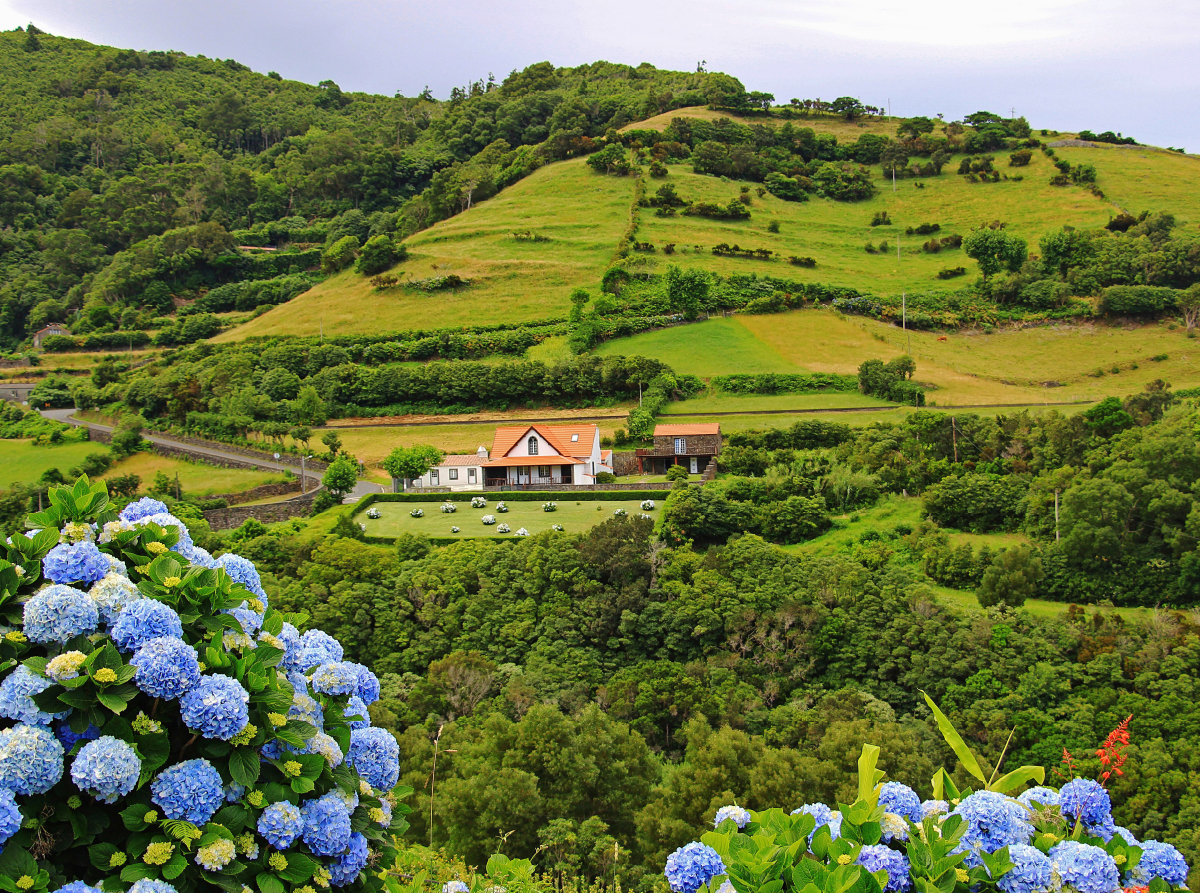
259, 492
230, 518
314, 465
624, 463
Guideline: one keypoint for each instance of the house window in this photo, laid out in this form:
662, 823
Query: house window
543, 471
533, 446
470, 475
574, 438
680, 445
433, 477
454, 474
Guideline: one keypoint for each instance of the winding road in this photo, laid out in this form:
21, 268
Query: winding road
362, 488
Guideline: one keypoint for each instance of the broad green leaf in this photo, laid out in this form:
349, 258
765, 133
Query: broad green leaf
268, 883
244, 765
868, 775
1013, 780
955, 740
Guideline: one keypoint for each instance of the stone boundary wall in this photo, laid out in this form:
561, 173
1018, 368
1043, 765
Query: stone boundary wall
260, 492
624, 463
181, 451
314, 465
230, 518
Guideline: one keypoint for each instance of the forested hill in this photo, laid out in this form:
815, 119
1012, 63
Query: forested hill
103, 151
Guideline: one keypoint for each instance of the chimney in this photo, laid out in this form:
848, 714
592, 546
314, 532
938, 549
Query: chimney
482, 452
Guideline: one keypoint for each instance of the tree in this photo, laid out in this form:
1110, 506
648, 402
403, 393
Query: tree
127, 439
332, 442
339, 255
848, 107
464, 678
409, 463
1108, 417
302, 434
309, 409
995, 250
379, 254
1011, 578
340, 477
686, 290
579, 298
1189, 302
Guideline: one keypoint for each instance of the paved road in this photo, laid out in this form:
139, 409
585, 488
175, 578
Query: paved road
362, 488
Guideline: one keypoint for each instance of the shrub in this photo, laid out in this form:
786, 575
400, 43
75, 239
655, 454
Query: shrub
380, 254
976, 502
197, 774
1137, 300
340, 255
1012, 577
677, 473
802, 261
1020, 158
881, 218
952, 272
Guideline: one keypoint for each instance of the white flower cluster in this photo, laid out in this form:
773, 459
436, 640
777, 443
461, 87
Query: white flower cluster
521, 531
417, 513
501, 507
619, 513
488, 519
503, 528
478, 502
454, 530
373, 513
449, 508
647, 505
557, 527
549, 506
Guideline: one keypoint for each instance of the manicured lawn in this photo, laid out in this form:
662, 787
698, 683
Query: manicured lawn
575, 515
23, 463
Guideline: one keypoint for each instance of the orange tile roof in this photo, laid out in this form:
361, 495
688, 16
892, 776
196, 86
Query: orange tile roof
466, 459
684, 430
558, 436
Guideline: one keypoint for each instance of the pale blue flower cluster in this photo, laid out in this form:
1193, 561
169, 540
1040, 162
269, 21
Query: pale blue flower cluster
455, 887
10, 816
1087, 801
326, 826
1086, 868
824, 816
112, 594
190, 790
31, 759
735, 814
75, 563
992, 823
317, 647
692, 866
934, 807
202, 557
335, 679
78, 887
107, 767
281, 823
166, 667
1159, 860
143, 508
368, 684
146, 885
356, 707
59, 613
16, 697
877, 857
1031, 871
346, 868
218, 707
290, 637
143, 620
250, 622
376, 755
900, 799
1034, 797
242, 570
327, 747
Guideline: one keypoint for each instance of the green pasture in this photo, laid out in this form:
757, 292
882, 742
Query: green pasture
715, 401
575, 515
23, 463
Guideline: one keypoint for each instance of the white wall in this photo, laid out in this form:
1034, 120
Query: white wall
464, 481
522, 448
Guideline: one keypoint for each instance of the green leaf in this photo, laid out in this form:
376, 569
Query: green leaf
113, 702
303, 785
101, 854
244, 765
268, 883
964, 754
868, 775
1013, 780
175, 867
137, 871
299, 869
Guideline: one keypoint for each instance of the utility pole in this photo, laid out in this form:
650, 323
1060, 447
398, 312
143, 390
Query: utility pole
904, 319
954, 435
1056, 515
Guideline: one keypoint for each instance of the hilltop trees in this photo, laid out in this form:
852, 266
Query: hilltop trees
994, 250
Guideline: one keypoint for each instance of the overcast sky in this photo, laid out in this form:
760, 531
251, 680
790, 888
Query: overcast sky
1123, 65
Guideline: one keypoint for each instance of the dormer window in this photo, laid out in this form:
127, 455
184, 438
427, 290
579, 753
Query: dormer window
574, 438
533, 446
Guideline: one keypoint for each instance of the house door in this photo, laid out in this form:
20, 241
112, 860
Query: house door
693, 464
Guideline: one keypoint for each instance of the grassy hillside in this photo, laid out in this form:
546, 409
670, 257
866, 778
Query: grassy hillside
585, 214
582, 214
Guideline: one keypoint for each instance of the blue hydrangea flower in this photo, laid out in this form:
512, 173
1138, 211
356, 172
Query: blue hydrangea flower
1086, 800
305, 708
234, 792
202, 557
144, 620
58, 613
736, 814
112, 594
143, 508
280, 824
893, 827
1159, 860
1086, 868
691, 866
16, 697
107, 767
368, 684
31, 759
146, 885
327, 747
191, 790
75, 563
346, 868
356, 707
824, 816
1031, 872
877, 857
900, 799
1126, 835
934, 807
326, 825
316, 648
166, 667
992, 823
218, 707
290, 637
242, 570
335, 679
250, 622
77, 887
1044, 796
455, 887
376, 756
69, 739
10, 816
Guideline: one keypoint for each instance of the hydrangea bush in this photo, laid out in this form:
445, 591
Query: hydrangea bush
959, 841
163, 730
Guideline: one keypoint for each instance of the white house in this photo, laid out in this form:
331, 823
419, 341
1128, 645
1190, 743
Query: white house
546, 454
459, 472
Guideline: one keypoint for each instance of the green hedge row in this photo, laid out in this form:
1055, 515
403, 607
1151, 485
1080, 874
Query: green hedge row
773, 383
513, 496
